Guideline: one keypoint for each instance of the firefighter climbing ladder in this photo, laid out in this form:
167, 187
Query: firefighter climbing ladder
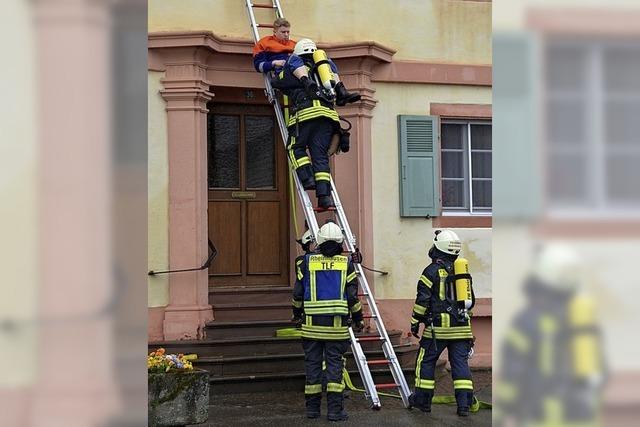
371, 389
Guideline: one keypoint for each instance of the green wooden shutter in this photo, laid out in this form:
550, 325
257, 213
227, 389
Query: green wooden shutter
418, 156
516, 151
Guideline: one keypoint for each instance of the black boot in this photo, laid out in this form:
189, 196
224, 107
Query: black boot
343, 97
325, 202
335, 407
313, 402
421, 399
463, 411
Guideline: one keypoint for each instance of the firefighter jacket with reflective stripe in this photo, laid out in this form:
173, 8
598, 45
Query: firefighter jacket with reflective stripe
302, 105
326, 295
435, 304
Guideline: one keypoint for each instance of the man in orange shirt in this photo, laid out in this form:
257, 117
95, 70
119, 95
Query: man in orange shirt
271, 52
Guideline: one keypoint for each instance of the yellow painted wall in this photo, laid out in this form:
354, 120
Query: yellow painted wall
19, 252
401, 244
158, 193
432, 30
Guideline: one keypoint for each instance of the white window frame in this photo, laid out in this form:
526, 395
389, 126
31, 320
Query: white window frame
470, 212
596, 205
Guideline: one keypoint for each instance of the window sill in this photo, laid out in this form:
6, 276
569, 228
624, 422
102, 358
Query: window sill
463, 221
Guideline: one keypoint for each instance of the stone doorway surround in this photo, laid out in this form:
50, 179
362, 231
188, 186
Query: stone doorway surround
193, 62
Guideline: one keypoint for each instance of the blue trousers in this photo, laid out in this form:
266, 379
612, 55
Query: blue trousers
313, 135
425, 370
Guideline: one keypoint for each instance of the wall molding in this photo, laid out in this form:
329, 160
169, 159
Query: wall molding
433, 73
462, 111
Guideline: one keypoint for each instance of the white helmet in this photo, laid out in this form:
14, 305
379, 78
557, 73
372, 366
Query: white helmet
447, 241
558, 265
304, 46
330, 231
306, 238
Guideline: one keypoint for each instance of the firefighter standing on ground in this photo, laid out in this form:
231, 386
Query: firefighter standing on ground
439, 311
325, 295
313, 120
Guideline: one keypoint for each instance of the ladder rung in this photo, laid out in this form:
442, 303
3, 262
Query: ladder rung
264, 6
362, 295
378, 338
265, 25
368, 316
324, 209
387, 385
378, 362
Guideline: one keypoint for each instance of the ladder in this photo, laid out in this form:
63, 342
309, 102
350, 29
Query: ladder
371, 389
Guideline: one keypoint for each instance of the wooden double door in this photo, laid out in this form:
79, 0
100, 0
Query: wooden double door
248, 201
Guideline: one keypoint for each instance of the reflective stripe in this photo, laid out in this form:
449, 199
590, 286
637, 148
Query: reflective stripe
312, 283
343, 281
445, 320
428, 384
443, 275
304, 160
337, 321
297, 304
463, 384
351, 277
426, 281
322, 176
518, 340
506, 391
419, 309
418, 365
320, 311
335, 387
313, 113
450, 333
325, 335
356, 307
312, 388
548, 328
414, 321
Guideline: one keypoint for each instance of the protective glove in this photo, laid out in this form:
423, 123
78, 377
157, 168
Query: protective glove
358, 326
415, 330
310, 86
297, 321
344, 141
356, 256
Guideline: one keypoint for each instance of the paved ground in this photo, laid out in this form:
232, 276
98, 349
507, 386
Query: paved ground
287, 409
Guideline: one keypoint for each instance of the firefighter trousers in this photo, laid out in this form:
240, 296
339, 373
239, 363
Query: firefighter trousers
313, 135
425, 370
330, 352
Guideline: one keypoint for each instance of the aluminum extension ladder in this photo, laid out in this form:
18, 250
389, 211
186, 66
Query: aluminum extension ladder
371, 389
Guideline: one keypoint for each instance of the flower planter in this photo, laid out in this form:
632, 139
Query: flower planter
178, 398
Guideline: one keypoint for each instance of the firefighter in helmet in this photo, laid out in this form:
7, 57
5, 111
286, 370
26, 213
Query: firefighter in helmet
447, 325
325, 300
312, 119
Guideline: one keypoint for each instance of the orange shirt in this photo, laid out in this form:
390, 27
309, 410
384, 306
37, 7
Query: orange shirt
273, 45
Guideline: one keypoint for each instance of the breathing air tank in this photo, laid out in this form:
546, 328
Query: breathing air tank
324, 69
463, 285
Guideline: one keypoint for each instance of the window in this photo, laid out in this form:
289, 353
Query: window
466, 167
592, 95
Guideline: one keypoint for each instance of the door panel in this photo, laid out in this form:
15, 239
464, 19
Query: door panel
263, 249
225, 222
248, 201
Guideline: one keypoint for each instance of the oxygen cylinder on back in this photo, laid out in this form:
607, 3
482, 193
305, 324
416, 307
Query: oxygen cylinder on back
324, 69
463, 285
